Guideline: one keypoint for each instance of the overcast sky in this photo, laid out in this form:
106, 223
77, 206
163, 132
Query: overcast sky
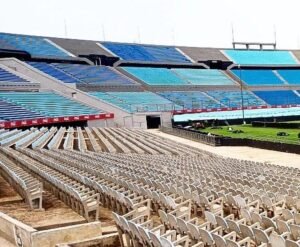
180, 22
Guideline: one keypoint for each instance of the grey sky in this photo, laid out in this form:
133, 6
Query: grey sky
180, 22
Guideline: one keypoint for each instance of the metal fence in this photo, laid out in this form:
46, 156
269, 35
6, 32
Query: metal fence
193, 135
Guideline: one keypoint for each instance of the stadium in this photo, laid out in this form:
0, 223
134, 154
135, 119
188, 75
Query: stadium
130, 144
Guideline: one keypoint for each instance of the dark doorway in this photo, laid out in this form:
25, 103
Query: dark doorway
153, 122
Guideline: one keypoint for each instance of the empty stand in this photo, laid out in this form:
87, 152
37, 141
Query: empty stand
136, 101
6, 76
279, 97
36, 46
10, 111
45, 103
290, 76
258, 77
147, 53
234, 98
54, 72
100, 75
191, 99
261, 57
206, 77
156, 76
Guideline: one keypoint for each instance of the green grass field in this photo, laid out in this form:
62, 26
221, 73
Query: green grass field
258, 133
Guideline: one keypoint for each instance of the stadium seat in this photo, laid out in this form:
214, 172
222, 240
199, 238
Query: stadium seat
284, 97
156, 76
258, 77
191, 99
290, 76
261, 57
147, 53
6, 76
100, 75
34, 45
43, 104
136, 101
204, 77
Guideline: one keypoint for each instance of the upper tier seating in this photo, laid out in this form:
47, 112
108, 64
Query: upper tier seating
47, 103
204, 77
290, 76
36, 46
279, 97
234, 98
6, 76
260, 57
147, 53
135, 101
10, 111
54, 72
156, 76
258, 77
191, 100
94, 74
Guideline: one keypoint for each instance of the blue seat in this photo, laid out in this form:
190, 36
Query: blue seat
258, 77
234, 98
281, 97
47, 104
290, 76
11, 112
100, 75
149, 53
204, 77
36, 46
6, 76
191, 99
260, 57
155, 76
135, 101
54, 72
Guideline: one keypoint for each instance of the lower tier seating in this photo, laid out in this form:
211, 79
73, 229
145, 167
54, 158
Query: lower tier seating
136, 101
47, 104
279, 97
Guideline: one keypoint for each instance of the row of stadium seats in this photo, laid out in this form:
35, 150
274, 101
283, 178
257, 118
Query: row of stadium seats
6, 76
135, 101
25, 105
175, 77
268, 77
102, 75
75, 73
36, 46
43, 47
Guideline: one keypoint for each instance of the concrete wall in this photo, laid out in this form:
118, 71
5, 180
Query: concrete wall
15, 231
101, 123
51, 238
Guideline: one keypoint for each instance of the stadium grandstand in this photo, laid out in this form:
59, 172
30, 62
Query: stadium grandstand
79, 168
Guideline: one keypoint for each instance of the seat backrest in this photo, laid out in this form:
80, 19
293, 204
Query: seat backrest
206, 236
163, 217
144, 235
246, 231
282, 226
295, 230
291, 243
277, 240
193, 230
233, 226
246, 214
219, 240
231, 243
166, 242
221, 222
267, 222
155, 240
210, 217
172, 221
256, 217
260, 236
182, 226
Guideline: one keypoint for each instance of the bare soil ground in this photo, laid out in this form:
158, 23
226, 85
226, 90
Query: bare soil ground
246, 153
